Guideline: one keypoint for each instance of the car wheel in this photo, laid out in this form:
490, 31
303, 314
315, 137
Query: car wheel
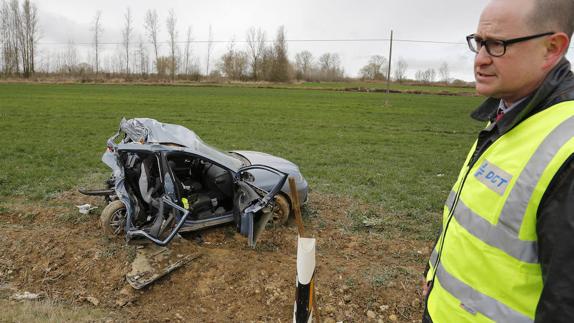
281, 210
113, 218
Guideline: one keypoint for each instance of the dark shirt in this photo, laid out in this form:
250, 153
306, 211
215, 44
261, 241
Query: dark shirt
555, 218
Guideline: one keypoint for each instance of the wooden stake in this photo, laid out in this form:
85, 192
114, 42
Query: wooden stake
295, 204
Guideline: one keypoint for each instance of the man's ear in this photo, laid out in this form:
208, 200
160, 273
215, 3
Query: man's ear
556, 46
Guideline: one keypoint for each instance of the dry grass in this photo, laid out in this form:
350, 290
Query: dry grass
47, 311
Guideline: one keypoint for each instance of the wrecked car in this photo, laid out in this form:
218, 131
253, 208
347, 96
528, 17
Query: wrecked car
166, 180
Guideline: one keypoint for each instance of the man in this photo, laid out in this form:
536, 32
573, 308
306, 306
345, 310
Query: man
506, 250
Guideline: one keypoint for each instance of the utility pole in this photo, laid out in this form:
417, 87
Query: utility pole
389, 69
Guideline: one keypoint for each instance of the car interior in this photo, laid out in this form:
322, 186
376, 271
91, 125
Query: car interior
206, 187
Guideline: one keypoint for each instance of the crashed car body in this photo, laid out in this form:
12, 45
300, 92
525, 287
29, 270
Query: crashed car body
165, 180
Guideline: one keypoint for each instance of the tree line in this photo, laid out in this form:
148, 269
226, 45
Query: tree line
19, 36
144, 56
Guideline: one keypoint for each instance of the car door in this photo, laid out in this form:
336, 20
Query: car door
252, 204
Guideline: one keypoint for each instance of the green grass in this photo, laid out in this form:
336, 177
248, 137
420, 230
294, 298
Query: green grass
389, 151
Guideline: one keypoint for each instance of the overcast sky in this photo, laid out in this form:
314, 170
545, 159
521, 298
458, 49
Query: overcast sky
449, 21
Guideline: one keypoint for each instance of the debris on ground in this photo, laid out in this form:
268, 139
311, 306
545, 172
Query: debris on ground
153, 262
26, 296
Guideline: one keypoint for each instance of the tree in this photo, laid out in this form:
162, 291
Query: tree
375, 69
67, 60
427, 76
187, 54
443, 72
14, 29
304, 63
401, 70
280, 69
27, 30
18, 36
172, 33
330, 67
151, 24
2, 37
234, 63
419, 75
10, 52
98, 30
165, 65
266, 63
143, 58
209, 45
126, 35
430, 75
256, 45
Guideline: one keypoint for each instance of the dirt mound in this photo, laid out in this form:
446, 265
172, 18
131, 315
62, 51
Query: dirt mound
360, 275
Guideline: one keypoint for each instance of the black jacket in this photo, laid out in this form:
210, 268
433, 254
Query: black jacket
555, 218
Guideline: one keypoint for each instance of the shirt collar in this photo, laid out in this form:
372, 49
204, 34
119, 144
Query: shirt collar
505, 109
488, 109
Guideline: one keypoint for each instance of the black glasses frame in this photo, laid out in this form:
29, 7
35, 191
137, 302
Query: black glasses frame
491, 42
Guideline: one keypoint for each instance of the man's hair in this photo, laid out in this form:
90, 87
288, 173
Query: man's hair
553, 15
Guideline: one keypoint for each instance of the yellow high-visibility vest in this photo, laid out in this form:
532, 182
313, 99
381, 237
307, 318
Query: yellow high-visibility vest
485, 265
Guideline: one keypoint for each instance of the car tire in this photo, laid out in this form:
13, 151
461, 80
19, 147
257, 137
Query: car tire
281, 210
113, 218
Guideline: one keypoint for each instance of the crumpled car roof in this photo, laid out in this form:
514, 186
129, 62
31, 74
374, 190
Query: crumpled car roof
150, 131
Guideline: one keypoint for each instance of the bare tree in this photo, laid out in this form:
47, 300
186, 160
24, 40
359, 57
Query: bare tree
67, 59
430, 75
266, 63
330, 67
27, 30
401, 70
209, 45
427, 76
172, 32
375, 69
2, 37
256, 45
143, 58
98, 30
304, 62
444, 73
280, 69
127, 35
419, 75
234, 63
187, 54
9, 39
151, 25
11, 13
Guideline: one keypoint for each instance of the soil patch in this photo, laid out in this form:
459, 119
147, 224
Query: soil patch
71, 261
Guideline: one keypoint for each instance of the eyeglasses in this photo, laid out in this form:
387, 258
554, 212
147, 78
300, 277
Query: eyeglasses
495, 47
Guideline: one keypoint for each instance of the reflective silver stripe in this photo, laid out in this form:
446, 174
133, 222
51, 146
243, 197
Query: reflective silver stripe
433, 257
514, 209
476, 301
450, 199
495, 235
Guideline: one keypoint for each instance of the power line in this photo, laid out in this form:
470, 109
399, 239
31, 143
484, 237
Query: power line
333, 40
341, 40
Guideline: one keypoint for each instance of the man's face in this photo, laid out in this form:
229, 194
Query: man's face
519, 71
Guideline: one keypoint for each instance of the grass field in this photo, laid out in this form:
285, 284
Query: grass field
379, 166
399, 152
